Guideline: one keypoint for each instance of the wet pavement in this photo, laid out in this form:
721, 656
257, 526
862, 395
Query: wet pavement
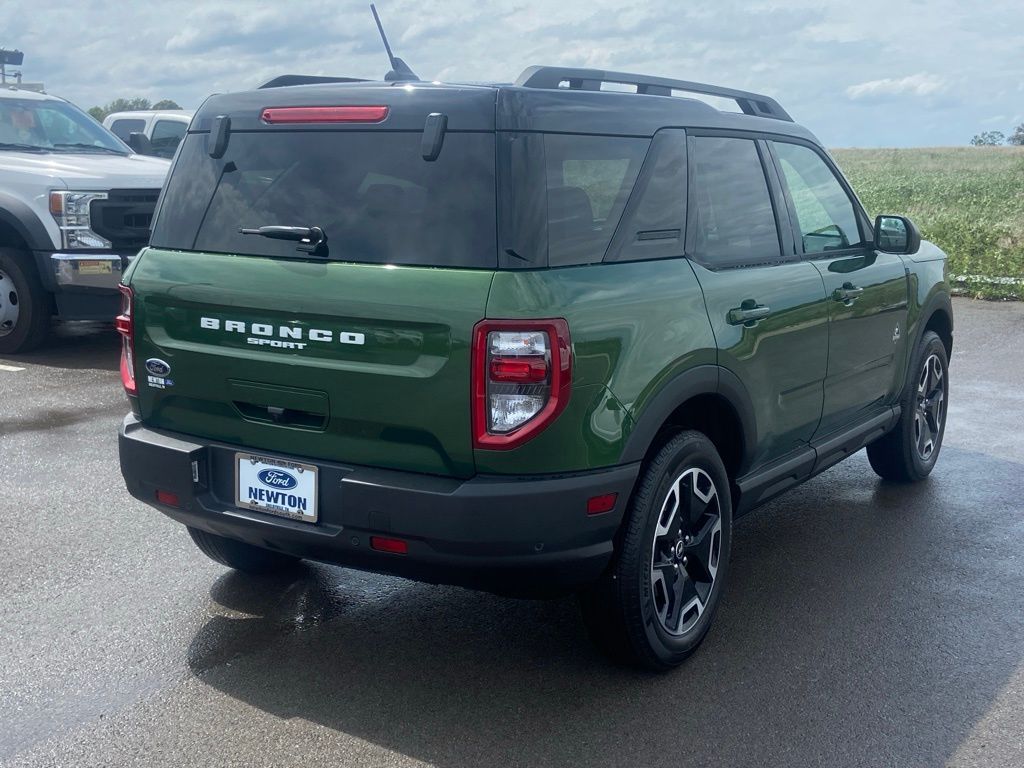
866, 624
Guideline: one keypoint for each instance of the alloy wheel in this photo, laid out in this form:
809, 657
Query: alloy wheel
931, 407
685, 551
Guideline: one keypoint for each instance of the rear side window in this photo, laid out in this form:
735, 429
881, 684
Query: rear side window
562, 195
373, 194
124, 128
589, 179
824, 211
731, 208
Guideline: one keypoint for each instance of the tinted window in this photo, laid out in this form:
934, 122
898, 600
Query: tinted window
824, 211
731, 208
125, 127
653, 222
589, 179
373, 194
166, 136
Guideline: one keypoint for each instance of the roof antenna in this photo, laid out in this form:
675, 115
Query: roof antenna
399, 69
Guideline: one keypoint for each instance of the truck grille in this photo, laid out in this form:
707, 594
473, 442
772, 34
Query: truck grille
124, 218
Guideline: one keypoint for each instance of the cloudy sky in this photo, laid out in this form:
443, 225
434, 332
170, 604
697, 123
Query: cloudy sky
858, 73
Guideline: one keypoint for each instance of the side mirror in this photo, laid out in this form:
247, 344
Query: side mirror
140, 143
896, 234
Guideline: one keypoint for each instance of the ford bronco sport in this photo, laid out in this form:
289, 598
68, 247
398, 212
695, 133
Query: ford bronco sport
537, 338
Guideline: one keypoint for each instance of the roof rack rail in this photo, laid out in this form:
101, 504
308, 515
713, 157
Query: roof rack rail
283, 81
591, 79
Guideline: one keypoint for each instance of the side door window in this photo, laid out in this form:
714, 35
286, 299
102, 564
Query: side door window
825, 214
124, 127
167, 134
733, 219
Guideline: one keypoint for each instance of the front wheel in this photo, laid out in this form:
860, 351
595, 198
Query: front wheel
24, 305
909, 451
656, 603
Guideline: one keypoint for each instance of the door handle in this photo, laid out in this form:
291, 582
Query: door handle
847, 294
748, 313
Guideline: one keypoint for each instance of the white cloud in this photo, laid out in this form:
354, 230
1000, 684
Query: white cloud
921, 84
803, 52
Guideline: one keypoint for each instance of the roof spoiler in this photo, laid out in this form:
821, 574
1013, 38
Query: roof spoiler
284, 81
755, 104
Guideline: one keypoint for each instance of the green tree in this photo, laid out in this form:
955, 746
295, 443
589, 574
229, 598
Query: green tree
1017, 137
988, 139
166, 104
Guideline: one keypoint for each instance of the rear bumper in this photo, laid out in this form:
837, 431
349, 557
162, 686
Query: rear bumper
514, 535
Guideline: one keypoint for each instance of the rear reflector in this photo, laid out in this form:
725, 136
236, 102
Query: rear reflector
394, 546
286, 115
168, 498
599, 504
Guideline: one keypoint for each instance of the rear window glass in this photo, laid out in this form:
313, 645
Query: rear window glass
373, 194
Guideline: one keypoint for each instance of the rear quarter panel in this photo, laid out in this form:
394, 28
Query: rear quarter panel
634, 326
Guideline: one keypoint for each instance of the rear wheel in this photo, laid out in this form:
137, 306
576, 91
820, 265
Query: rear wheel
656, 603
908, 453
24, 305
239, 555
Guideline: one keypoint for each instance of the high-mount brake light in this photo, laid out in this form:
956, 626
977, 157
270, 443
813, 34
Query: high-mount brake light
521, 379
125, 325
293, 115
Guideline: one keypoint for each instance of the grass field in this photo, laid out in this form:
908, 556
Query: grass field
967, 200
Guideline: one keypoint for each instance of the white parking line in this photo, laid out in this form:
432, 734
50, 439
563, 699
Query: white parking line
9, 368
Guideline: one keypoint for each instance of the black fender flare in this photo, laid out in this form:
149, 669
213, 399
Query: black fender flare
23, 220
700, 380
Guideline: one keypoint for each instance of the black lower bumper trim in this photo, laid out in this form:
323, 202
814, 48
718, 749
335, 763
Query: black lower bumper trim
514, 535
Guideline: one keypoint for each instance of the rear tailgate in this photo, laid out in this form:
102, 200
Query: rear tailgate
261, 354
359, 352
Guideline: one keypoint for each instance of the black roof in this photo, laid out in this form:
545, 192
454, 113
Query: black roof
549, 99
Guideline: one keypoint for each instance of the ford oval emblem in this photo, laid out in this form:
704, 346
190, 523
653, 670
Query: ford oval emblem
158, 367
277, 479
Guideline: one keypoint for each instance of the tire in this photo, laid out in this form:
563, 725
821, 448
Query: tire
239, 555
655, 604
908, 452
24, 305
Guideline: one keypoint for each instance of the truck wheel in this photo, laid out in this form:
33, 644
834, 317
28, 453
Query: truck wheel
655, 604
239, 555
24, 305
909, 451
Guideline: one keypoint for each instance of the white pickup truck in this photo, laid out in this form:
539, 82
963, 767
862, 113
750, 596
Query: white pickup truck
75, 207
162, 130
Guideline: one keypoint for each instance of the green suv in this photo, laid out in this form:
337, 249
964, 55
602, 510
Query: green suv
543, 338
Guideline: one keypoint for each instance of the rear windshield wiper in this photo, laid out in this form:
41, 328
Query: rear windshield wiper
22, 147
312, 239
92, 147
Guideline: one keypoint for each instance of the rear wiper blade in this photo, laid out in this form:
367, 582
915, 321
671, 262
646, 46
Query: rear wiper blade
313, 239
93, 147
22, 147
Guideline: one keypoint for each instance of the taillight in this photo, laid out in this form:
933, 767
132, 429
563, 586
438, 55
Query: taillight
522, 377
125, 325
292, 115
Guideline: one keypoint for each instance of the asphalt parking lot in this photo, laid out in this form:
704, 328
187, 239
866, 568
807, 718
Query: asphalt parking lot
866, 624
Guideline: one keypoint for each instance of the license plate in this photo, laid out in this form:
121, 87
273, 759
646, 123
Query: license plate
276, 486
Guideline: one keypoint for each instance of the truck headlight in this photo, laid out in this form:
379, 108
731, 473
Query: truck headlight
71, 211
